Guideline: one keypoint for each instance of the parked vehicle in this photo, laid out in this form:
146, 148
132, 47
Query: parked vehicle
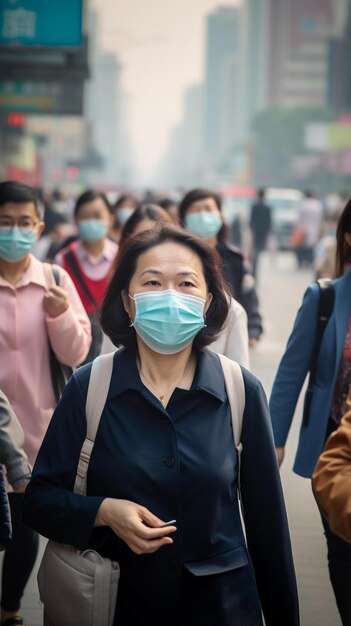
285, 205
237, 201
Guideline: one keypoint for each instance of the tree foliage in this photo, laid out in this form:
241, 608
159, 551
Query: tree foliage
278, 137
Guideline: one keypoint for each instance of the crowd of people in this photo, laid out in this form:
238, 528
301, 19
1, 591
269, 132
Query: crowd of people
160, 284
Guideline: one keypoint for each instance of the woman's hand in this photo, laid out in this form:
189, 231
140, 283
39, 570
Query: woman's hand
137, 526
55, 301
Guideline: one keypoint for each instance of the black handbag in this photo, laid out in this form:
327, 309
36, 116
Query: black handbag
60, 373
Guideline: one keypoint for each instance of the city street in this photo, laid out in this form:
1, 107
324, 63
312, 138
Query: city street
281, 287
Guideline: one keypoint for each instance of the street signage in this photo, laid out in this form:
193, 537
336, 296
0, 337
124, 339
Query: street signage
35, 97
41, 23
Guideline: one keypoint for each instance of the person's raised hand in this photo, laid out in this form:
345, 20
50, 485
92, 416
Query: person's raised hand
55, 301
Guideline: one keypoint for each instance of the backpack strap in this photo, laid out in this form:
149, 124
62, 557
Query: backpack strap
52, 274
325, 309
71, 260
235, 388
99, 383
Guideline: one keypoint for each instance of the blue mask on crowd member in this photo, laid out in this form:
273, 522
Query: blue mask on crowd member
123, 215
92, 230
206, 224
15, 245
167, 321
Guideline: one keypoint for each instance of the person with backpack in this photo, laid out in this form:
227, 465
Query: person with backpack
320, 343
89, 260
37, 318
164, 472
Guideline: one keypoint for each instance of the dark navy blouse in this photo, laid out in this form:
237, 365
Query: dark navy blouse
180, 463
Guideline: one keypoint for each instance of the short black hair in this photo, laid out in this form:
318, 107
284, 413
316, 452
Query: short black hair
195, 195
89, 196
114, 319
150, 212
167, 203
18, 193
123, 199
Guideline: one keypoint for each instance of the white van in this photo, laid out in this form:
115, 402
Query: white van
285, 205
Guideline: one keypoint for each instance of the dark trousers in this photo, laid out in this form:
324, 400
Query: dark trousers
19, 557
339, 563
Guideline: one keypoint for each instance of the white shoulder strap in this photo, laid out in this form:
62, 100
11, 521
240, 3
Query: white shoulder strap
99, 383
235, 388
234, 384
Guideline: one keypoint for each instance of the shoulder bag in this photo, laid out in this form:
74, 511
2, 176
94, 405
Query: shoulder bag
325, 309
80, 587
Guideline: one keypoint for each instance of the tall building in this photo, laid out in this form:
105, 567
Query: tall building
223, 91
339, 92
102, 109
298, 60
254, 59
182, 165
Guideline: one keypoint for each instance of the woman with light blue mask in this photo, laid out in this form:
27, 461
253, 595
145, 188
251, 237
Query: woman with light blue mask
233, 340
89, 259
123, 209
163, 476
200, 212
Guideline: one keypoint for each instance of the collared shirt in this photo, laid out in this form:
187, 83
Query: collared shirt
25, 332
97, 267
180, 463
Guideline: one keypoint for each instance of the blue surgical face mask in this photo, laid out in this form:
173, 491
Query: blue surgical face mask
92, 230
15, 245
206, 224
167, 321
124, 214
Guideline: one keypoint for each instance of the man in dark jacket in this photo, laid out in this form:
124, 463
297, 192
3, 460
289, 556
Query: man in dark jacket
260, 225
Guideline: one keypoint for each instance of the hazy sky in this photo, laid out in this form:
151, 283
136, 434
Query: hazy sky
161, 46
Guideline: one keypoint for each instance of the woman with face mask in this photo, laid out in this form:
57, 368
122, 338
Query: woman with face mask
164, 452
34, 314
122, 210
200, 213
233, 341
89, 259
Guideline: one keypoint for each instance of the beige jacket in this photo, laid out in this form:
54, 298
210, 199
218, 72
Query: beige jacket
331, 480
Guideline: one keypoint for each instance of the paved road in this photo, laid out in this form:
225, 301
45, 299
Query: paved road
281, 287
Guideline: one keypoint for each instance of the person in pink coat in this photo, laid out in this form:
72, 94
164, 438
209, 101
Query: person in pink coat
35, 313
